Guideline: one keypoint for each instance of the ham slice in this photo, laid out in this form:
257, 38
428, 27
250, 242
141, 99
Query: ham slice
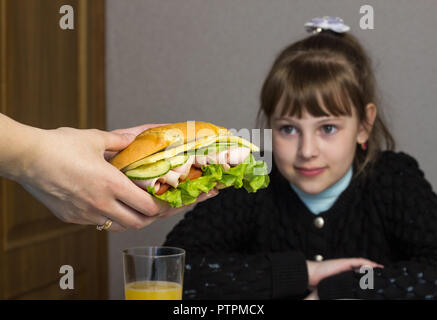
157, 186
200, 161
143, 184
238, 155
222, 157
171, 177
213, 158
185, 168
231, 157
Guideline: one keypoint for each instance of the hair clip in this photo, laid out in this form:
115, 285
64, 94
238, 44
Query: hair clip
335, 24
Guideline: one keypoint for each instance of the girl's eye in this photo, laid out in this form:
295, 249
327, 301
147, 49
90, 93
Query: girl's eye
329, 128
287, 129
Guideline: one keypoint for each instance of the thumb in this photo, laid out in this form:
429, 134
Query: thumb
117, 141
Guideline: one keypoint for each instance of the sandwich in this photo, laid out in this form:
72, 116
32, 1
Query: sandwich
179, 161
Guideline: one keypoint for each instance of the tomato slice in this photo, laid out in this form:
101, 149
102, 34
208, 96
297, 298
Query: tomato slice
163, 188
193, 174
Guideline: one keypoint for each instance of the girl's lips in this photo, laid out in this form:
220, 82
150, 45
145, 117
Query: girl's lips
310, 173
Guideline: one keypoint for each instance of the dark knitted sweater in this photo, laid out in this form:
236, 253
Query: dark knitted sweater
254, 245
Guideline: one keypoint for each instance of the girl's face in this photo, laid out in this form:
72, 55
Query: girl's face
314, 153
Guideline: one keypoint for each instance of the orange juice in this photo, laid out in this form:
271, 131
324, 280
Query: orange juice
153, 290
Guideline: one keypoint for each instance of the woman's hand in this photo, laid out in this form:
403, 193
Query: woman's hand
67, 170
317, 271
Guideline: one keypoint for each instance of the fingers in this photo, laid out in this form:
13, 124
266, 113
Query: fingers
357, 263
130, 133
122, 217
108, 155
98, 219
131, 218
313, 295
138, 129
94, 220
205, 196
136, 198
172, 211
115, 226
116, 141
320, 270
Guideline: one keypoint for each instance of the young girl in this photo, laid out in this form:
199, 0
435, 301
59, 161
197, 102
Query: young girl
336, 201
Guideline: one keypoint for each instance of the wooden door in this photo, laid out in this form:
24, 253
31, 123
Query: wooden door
50, 78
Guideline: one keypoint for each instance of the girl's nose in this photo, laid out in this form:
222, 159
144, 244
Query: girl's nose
308, 147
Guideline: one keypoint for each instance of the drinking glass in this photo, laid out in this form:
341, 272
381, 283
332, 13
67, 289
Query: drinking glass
153, 273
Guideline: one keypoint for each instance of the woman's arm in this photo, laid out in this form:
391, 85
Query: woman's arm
66, 170
18, 143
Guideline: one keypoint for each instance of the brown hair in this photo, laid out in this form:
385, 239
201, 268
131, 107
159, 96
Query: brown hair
332, 70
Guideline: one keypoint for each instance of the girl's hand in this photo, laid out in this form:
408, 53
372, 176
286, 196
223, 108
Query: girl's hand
317, 271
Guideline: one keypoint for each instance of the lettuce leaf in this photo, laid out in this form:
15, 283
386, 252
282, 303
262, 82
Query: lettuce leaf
251, 174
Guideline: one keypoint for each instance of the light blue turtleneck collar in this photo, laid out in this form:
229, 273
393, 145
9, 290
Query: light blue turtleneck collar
322, 201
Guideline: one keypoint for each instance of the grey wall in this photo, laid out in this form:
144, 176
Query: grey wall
179, 60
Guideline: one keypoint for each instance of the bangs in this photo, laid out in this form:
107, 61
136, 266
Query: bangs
321, 89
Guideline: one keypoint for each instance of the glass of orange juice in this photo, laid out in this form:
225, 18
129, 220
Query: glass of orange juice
153, 273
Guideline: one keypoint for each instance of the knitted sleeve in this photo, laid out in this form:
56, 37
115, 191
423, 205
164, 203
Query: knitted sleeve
410, 223
222, 261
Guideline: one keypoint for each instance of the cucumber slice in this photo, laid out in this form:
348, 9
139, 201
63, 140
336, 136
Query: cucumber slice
149, 171
178, 160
